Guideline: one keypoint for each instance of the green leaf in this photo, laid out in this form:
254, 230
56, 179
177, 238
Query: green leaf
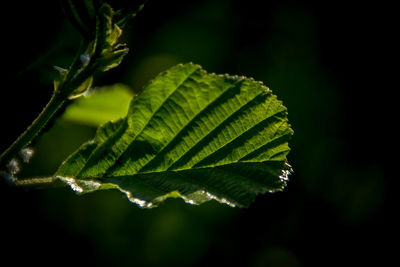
62, 76
111, 59
82, 89
108, 33
192, 135
108, 103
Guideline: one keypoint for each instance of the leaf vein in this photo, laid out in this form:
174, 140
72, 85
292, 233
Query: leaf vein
218, 125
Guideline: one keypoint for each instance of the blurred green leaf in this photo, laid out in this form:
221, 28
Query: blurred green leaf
105, 104
192, 135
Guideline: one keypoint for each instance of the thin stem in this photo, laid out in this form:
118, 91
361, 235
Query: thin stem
38, 182
77, 74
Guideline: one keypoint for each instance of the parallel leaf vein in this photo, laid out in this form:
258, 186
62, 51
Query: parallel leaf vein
219, 125
234, 139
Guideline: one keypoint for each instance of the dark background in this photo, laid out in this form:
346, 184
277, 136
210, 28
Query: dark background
327, 61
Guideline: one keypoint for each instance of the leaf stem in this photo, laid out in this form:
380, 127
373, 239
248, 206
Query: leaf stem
38, 182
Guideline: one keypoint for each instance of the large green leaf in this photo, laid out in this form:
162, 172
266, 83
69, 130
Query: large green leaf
192, 135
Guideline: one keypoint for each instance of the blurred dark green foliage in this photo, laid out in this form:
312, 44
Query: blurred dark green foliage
316, 57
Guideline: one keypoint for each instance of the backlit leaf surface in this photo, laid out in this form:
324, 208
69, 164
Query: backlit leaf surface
189, 134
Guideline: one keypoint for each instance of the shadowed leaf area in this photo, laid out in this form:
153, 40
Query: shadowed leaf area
189, 134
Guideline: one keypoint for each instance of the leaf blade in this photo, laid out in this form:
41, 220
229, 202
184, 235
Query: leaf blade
193, 135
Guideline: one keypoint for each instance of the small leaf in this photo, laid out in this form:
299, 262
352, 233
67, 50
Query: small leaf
63, 74
192, 135
108, 34
97, 107
112, 59
83, 88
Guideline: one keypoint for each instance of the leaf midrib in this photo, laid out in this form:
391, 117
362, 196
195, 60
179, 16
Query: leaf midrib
181, 170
